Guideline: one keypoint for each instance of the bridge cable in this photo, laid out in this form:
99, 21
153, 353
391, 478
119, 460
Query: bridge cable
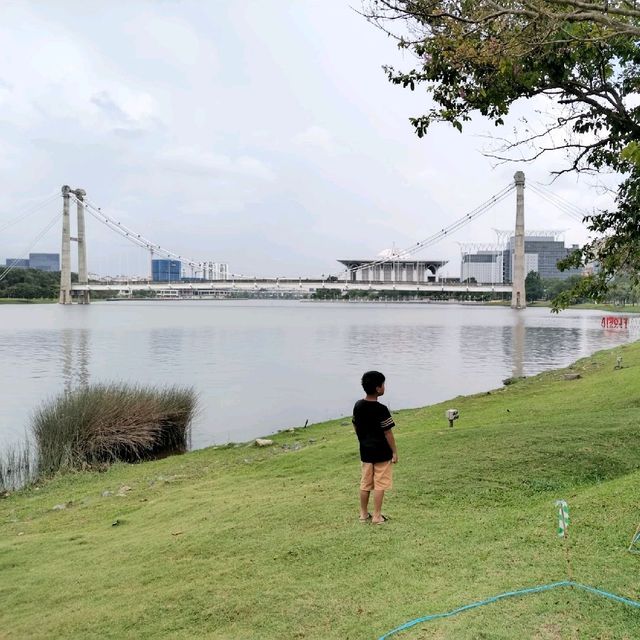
137, 238
30, 211
566, 207
14, 262
572, 213
461, 222
443, 233
557, 197
131, 235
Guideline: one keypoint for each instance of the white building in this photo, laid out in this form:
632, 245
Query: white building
372, 271
483, 267
215, 271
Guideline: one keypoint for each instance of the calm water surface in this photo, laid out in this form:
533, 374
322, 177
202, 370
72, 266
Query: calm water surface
260, 366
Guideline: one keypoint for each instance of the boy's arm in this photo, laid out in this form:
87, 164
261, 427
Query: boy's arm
388, 434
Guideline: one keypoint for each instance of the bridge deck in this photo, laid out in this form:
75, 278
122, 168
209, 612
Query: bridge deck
281, 284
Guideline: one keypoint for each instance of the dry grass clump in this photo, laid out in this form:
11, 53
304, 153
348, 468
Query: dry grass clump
112, 422
17, 467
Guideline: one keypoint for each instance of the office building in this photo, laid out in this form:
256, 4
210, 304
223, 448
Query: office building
17, 263
44, 261
541, 254
41, 261
166, 270
483, 267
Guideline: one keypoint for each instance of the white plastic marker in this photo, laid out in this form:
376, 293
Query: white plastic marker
563, 526
563, 518
635, 541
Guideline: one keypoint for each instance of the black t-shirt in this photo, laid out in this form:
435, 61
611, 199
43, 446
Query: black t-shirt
371, 419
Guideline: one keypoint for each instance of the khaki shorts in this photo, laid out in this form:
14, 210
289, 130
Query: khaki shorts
376, 476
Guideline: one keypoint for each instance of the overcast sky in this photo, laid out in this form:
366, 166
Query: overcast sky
262, 133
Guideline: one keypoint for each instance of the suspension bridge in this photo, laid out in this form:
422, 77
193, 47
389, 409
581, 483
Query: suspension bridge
374, 275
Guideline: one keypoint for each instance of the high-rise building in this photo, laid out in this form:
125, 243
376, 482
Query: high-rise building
17, 263
44, 261
215, 270
166, 270
541, 254
484, 267
495, 266
40, 261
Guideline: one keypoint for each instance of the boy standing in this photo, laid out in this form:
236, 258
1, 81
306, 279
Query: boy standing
373, 423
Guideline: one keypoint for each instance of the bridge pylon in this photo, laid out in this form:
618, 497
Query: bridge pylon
518, 294
65, 253
65, 296
83, 274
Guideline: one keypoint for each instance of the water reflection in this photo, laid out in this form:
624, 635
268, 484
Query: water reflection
518, 332
75, 358
531, 349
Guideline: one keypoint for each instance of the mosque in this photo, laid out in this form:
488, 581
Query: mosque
389, 266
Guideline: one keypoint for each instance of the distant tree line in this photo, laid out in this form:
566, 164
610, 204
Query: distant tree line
380, 296
34, 284
31, 284
621, 290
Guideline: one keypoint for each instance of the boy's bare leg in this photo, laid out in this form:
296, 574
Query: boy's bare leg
364, 504
378, 497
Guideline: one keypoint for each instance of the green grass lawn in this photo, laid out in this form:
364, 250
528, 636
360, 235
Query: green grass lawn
244, 542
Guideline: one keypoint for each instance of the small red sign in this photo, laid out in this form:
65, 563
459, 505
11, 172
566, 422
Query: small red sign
614, 322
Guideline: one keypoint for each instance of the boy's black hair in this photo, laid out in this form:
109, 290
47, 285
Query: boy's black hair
371, 380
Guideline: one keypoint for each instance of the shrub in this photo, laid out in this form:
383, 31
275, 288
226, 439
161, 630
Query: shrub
106, 423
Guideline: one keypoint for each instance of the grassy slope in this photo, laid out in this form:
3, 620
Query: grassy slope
264, 543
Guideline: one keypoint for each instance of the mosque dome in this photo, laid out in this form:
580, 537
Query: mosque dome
388, 254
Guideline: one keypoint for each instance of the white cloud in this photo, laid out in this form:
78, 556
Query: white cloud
317, 137
122, 106
192, 160
169, 40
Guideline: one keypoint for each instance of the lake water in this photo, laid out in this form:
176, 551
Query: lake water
259, 366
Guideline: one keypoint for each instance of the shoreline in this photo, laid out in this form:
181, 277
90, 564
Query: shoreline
605, 308
27, 301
